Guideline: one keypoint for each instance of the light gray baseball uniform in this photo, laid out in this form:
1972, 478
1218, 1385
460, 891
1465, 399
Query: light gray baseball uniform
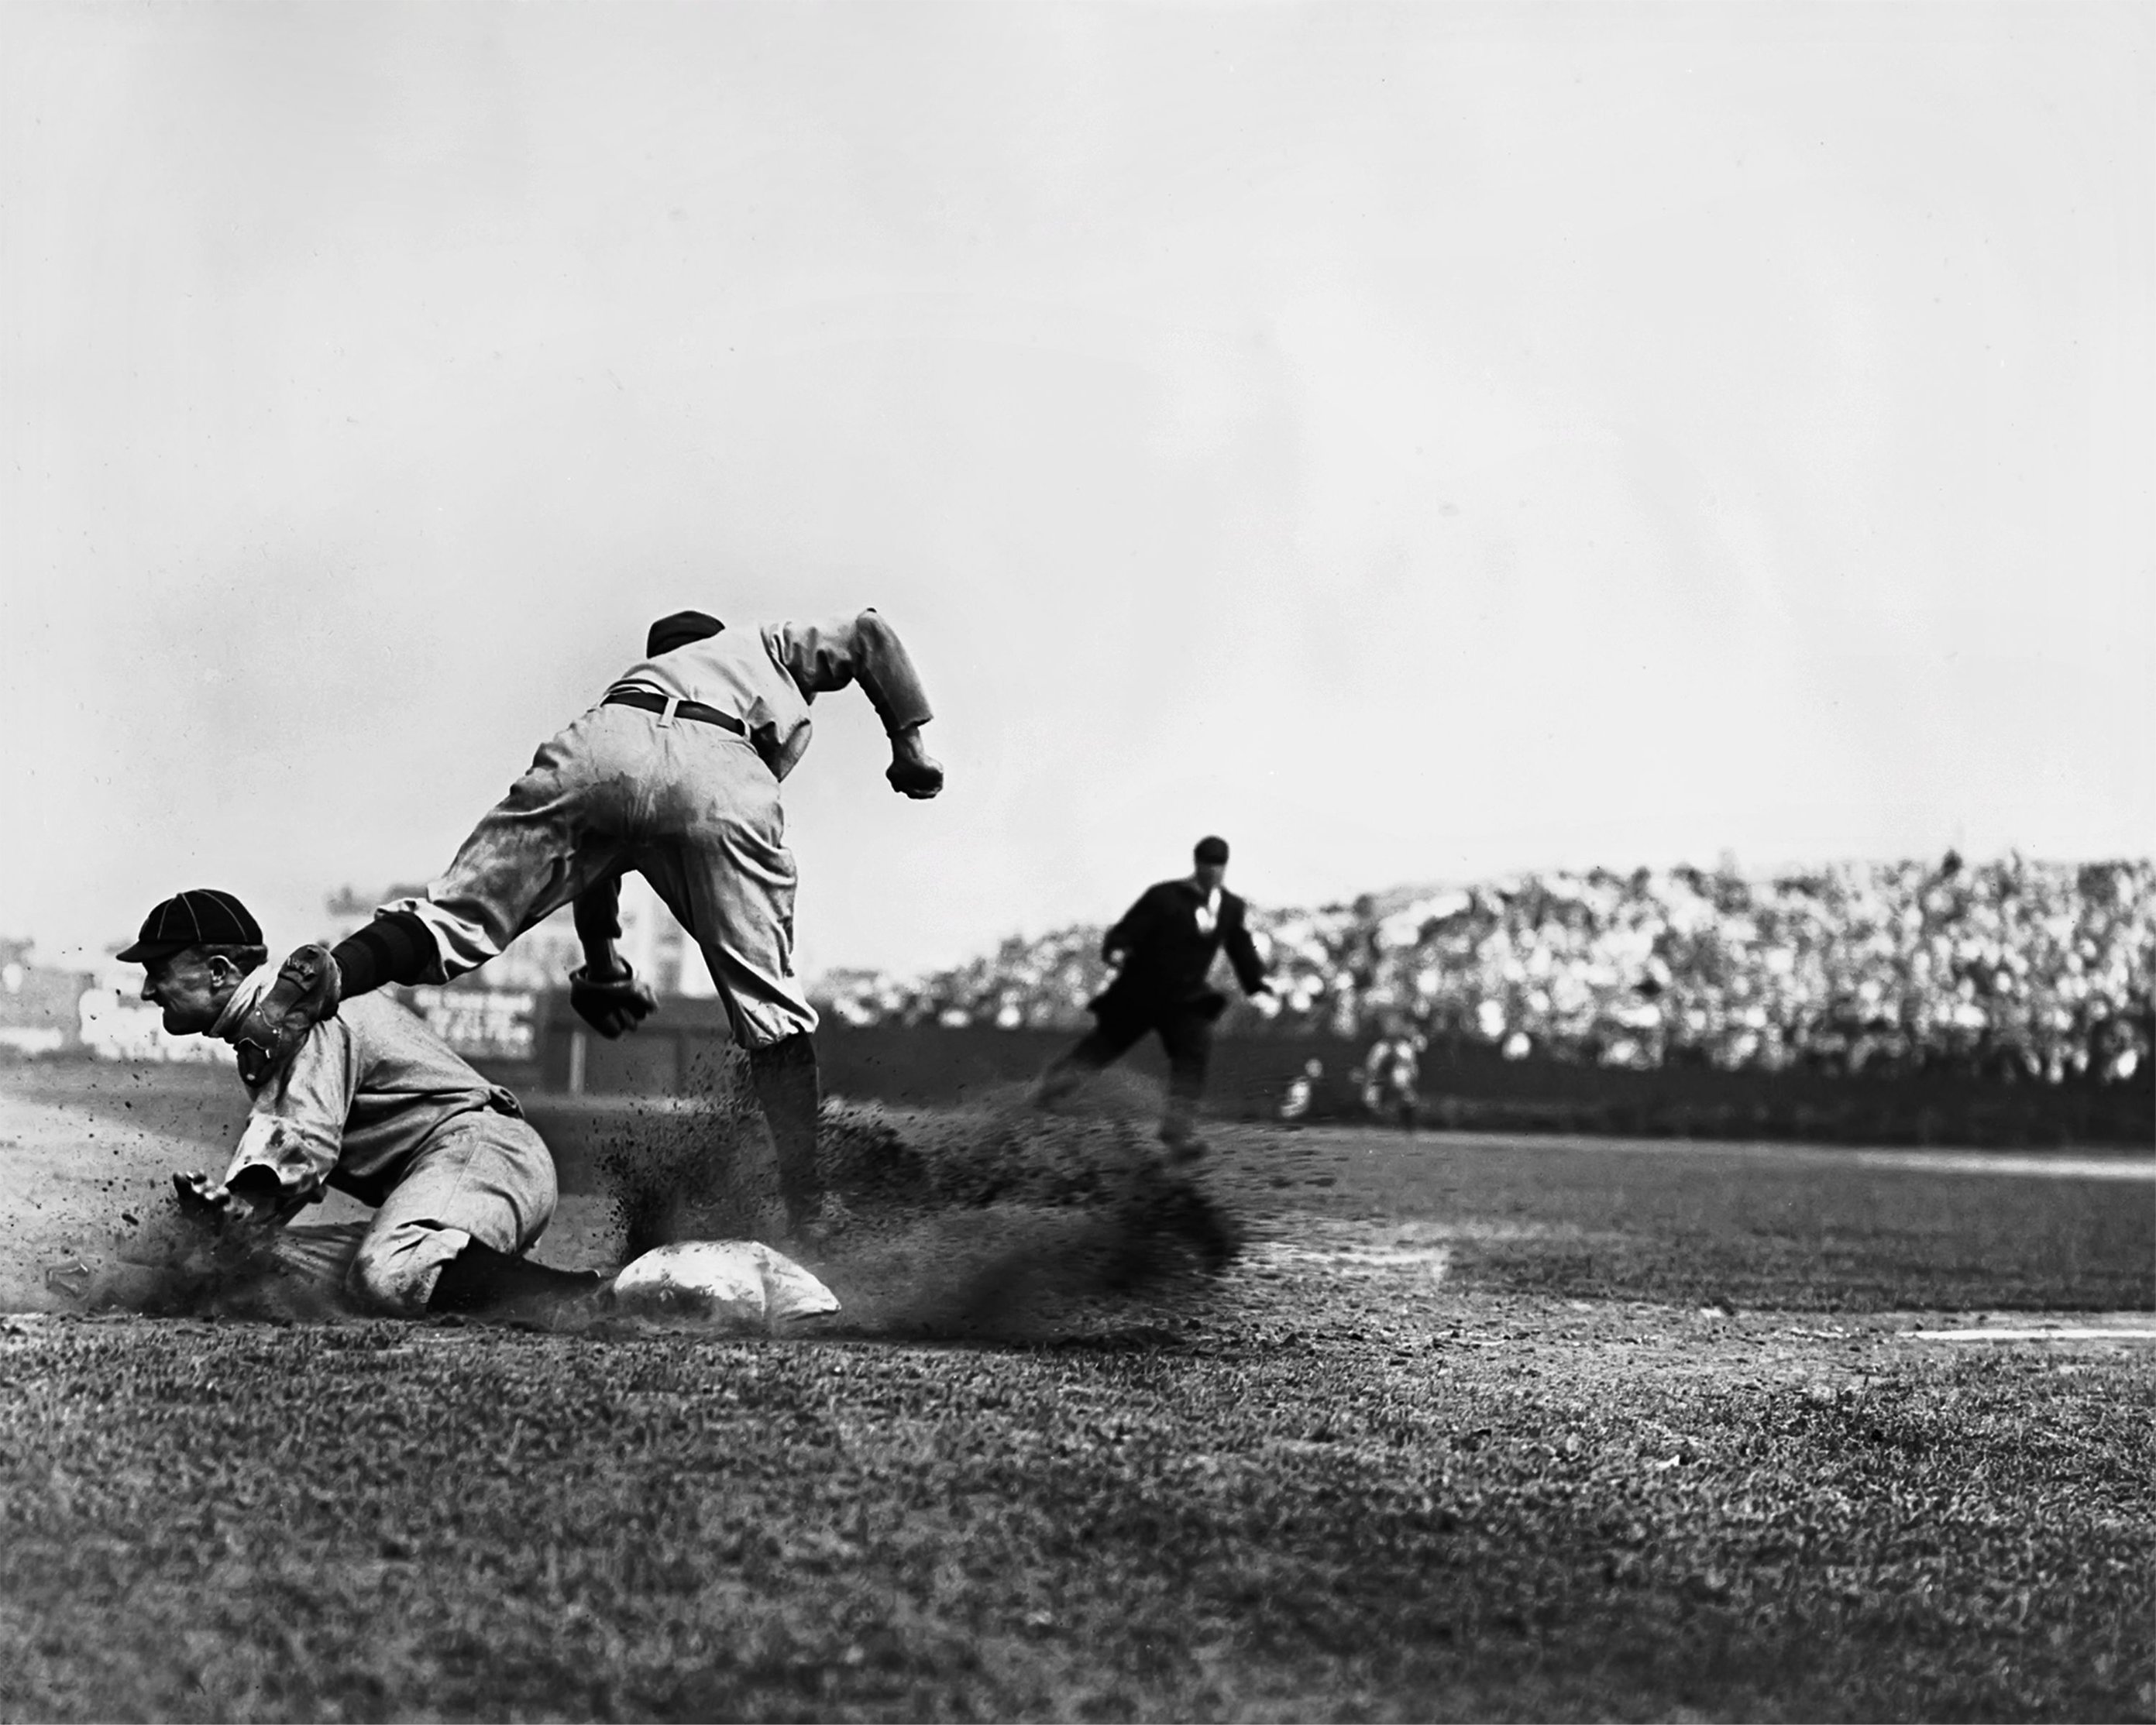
375, 1104
691, 806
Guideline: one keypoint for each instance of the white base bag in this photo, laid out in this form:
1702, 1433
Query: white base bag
739, 1281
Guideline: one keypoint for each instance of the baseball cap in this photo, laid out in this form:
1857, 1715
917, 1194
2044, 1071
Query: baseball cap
678, 631
200, 917
1211, 850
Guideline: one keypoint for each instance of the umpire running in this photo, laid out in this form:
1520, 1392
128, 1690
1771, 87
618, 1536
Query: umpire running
1165, 947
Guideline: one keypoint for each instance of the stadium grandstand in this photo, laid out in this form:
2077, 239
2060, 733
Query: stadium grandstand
2011, 968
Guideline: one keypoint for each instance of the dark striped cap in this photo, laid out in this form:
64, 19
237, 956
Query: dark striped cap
201, 917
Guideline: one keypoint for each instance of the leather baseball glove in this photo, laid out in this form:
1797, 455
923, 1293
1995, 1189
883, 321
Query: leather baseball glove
305, 991
612, 1006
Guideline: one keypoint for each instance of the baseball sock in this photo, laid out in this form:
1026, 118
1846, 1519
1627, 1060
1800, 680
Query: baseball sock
479, 1277
395, 947
786, 1089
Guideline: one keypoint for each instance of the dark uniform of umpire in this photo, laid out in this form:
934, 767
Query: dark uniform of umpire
1165, 946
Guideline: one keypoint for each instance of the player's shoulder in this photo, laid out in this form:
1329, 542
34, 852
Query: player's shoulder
375, 1018
376, 1006
326, 1039
796, 634
1162, 897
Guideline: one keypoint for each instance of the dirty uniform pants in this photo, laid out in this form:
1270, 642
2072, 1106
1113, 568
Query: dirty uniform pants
689, 806
485, 1176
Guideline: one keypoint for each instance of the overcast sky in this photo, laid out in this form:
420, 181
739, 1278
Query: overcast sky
1418, 442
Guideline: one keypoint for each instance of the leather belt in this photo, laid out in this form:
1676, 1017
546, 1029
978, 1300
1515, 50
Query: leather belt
648, 701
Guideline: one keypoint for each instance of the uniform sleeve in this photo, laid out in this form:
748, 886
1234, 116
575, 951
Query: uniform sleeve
296, 1128
821, 658
1243, 951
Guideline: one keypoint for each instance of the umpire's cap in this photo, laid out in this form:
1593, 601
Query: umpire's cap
678, 631
1211, 850
200, 917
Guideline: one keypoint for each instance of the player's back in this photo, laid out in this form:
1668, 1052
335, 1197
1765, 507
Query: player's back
404, 1081
742, 673
734, 671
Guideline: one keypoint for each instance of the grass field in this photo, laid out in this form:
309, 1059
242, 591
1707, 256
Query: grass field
1476, 1428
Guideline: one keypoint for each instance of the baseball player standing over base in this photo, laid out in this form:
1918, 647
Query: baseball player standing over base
675, 773
371, 1103
1165, 946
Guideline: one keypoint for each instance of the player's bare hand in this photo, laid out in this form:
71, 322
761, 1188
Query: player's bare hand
257, 1201
913, 771
213, 1204
200, 1196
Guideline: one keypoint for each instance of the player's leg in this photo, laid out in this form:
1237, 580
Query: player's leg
1187, 1035
727, 876
452, 1235
566, 823
1116, 1031
560, 828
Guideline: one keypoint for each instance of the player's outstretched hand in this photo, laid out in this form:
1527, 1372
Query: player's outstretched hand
218, 1205
200, 1196
913, 771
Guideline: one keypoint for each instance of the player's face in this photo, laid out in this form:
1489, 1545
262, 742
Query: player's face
1210, 875
186, 985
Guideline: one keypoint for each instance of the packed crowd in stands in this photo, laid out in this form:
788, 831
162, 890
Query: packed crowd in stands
2012, 968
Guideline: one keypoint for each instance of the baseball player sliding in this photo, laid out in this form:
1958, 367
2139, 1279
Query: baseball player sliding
675, 773
371, 1103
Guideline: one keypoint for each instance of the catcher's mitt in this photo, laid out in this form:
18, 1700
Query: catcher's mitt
617, 1004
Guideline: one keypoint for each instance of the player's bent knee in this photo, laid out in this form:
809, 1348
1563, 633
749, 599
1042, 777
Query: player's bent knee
397, 1275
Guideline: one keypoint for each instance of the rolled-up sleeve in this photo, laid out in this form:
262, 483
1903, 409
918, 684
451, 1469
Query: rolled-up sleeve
296, 1128
822, 658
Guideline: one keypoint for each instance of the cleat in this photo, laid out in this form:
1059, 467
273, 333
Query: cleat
306, 992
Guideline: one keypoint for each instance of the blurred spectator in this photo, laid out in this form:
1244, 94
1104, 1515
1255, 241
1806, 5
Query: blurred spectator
2037, 971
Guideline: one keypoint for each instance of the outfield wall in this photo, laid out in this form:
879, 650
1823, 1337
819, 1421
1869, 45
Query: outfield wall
1469, 1087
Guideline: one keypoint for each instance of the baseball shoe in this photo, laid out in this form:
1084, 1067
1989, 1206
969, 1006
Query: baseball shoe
305, 991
